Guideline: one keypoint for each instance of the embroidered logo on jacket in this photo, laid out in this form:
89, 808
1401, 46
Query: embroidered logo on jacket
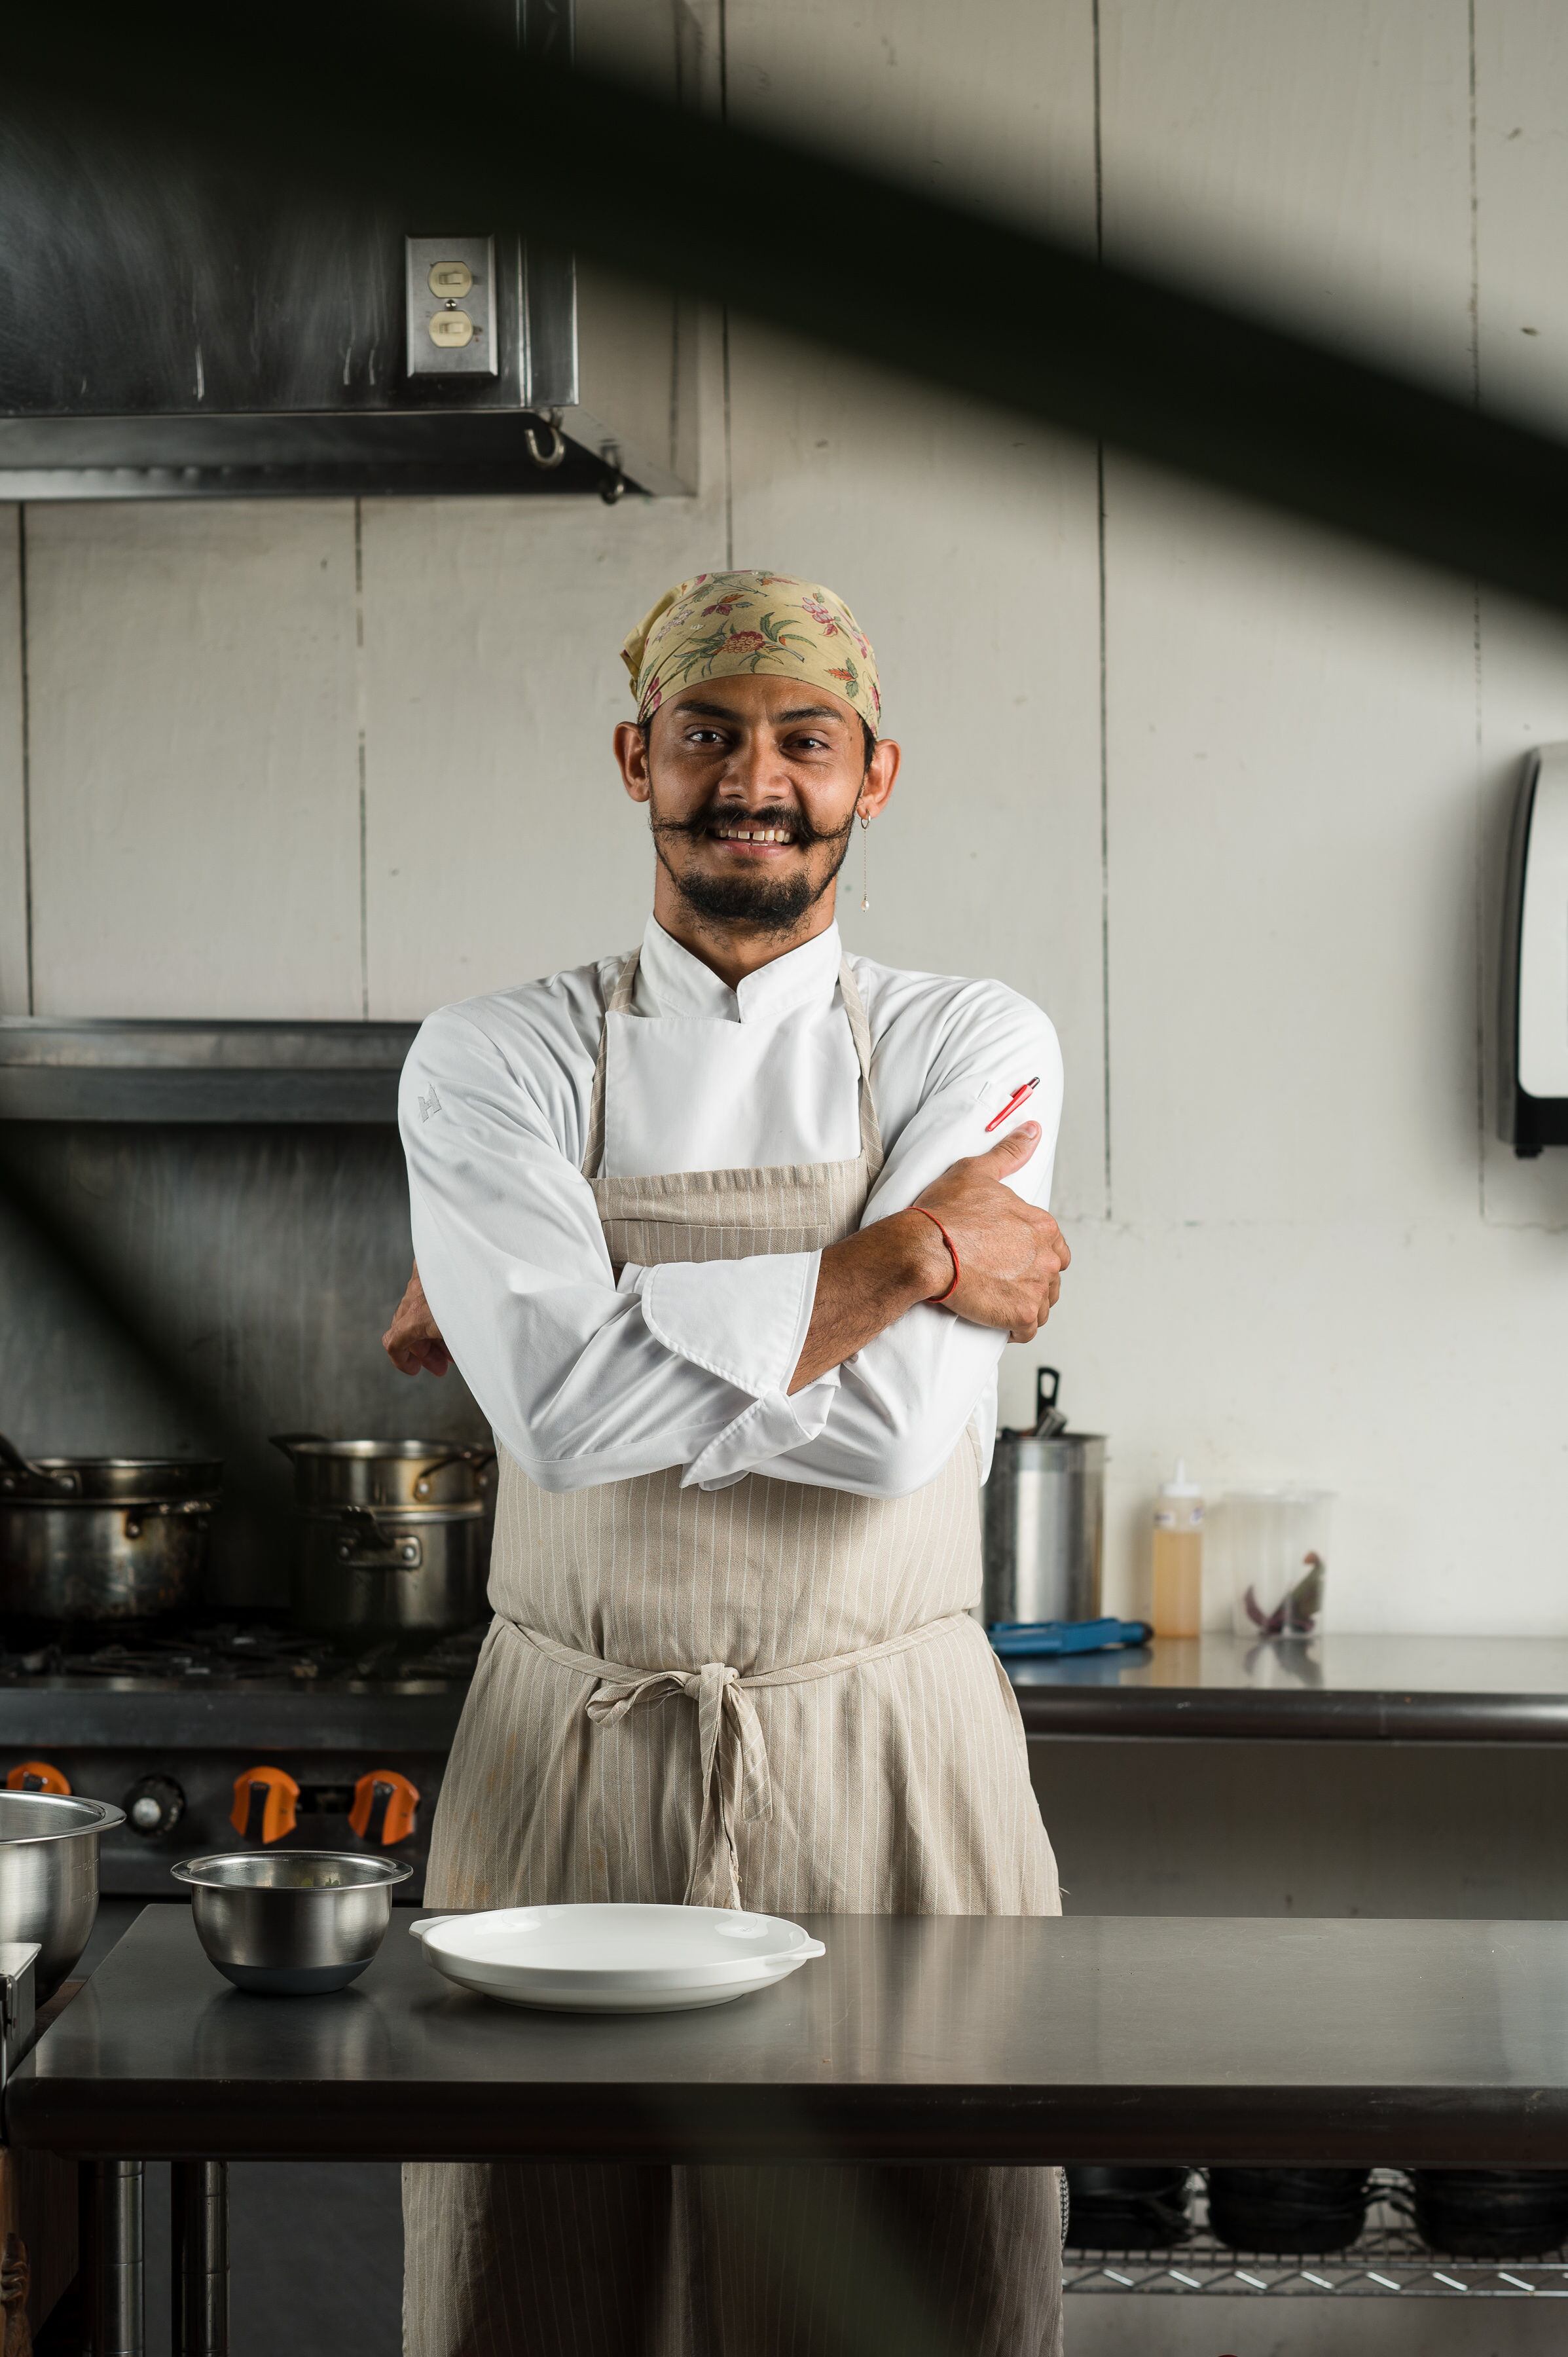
429, 1104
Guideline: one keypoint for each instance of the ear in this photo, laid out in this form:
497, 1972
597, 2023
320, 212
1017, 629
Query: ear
881, 776
631, 754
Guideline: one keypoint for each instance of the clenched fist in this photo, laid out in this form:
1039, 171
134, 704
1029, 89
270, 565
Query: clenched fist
413, 1338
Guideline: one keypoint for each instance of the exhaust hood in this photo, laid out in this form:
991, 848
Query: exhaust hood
167, 330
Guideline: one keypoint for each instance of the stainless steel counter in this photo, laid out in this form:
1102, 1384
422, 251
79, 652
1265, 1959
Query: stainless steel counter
964, 2037
1347, 1689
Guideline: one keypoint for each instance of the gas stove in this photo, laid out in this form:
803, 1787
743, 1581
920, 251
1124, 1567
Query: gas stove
236, 1735
233, 1651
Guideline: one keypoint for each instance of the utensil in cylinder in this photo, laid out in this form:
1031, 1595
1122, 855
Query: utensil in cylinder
48, 1875
103, 1538
296, 1922
1044, 1518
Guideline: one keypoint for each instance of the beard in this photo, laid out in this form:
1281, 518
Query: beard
762, 904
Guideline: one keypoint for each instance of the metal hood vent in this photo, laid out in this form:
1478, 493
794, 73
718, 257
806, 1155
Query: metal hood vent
167, 330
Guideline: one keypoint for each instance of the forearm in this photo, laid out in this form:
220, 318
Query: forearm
865, 1285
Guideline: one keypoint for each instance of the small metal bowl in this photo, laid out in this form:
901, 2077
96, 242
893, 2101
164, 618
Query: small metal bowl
292, 1923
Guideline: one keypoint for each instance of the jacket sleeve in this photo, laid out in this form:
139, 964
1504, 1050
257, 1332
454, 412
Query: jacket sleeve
584, 1380
898, 1408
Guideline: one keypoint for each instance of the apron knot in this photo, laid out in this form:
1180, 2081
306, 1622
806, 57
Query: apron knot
735, 1785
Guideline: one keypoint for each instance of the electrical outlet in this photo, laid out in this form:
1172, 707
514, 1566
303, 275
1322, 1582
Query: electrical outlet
451, 305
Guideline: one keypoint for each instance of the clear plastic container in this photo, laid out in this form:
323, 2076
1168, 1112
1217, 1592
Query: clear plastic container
1273, 1550
1178, 1557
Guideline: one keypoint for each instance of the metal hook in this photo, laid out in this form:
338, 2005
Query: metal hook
614, 489
551, 420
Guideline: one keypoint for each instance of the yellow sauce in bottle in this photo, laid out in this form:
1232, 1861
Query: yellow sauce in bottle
1178, 1557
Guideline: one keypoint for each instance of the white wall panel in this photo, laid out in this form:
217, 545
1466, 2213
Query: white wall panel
195, 787
1292, 961
1522, 176
1309, 161
13, 959
992, 102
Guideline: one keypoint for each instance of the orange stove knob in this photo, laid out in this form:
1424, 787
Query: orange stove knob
266, 1803
383, 1791
37, 1776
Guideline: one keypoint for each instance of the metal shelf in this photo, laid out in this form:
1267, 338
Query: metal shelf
198, 1072
1390, 2261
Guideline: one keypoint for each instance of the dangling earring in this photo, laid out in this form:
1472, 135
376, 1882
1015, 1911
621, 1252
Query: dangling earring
865, 867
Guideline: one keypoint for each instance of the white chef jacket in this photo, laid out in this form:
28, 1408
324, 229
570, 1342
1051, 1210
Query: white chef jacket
584, 1380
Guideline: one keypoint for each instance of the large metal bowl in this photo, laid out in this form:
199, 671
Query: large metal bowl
48, 1875
291, 1923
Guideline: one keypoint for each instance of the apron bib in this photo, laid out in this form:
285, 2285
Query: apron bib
769, 1695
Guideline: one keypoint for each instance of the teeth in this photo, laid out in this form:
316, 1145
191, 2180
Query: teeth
752, 833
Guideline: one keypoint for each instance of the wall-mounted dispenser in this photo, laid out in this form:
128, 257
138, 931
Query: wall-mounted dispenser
1533, 1091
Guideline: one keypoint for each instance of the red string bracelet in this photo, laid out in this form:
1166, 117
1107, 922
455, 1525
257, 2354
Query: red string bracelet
957, 1272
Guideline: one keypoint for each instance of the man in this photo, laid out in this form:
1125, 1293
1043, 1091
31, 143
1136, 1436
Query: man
727, 1240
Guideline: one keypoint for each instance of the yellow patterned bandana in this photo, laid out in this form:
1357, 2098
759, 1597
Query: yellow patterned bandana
721, 623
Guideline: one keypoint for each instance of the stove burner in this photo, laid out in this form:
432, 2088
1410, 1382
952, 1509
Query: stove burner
230, 1652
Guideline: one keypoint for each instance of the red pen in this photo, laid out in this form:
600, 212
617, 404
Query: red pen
1013, 1102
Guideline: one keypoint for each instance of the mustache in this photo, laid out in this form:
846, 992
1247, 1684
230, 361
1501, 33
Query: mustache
792, 822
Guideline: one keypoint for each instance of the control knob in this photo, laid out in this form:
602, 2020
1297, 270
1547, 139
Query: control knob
154, 1805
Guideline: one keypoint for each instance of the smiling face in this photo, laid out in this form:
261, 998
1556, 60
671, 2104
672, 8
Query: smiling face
753, 785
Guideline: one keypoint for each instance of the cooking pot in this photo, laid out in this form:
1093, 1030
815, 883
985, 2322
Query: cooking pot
379, 1473
48, 1875
103, 1538
390, 1535
1044, 1528
404, 1573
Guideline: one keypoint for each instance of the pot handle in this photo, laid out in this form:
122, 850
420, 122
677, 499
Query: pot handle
477, 1457
36, 1477
1050, 1419
286, 1440
372, 1548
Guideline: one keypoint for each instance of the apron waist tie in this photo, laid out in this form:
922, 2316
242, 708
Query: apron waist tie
736, 1785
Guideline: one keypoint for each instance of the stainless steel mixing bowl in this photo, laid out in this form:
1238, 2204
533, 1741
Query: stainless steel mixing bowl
291, 1923
48, 1875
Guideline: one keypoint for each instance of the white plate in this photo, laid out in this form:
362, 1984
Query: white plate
582, 1959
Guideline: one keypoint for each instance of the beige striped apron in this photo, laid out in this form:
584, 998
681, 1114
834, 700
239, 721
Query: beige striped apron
770, 1695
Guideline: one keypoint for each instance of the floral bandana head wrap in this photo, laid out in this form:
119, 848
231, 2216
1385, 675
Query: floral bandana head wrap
718, 624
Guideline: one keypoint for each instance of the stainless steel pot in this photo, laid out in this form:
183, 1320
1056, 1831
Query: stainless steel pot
384, 1473
291, 1923
48, 1875
103, 1538
409, 1573
1044, 1528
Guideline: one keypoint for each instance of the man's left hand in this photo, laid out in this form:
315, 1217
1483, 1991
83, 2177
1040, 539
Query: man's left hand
413, 1338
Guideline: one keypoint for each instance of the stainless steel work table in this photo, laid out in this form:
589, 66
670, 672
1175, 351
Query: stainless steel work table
1346, 1689
914, 2038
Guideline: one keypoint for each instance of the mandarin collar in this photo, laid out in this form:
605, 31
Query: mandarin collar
671, 981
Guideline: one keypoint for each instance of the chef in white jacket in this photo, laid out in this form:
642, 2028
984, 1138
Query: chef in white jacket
726, 1235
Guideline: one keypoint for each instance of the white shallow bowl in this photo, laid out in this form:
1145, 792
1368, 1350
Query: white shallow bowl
585, 1959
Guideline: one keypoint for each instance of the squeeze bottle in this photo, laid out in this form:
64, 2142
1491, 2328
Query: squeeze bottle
1178, 1556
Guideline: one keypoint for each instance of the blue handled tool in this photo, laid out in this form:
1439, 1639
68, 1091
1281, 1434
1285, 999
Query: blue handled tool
1021, 1638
